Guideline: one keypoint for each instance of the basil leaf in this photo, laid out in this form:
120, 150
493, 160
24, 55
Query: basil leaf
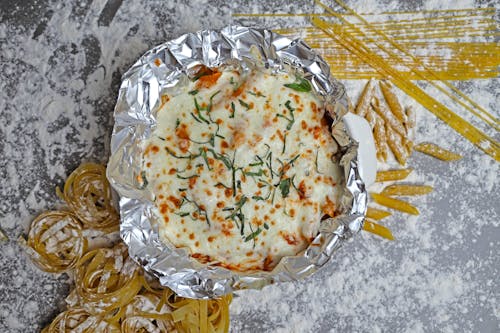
302, 85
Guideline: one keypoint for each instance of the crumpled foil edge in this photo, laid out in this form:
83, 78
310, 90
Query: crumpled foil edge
139, 97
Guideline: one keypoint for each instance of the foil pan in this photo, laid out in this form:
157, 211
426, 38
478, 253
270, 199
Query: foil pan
138, 100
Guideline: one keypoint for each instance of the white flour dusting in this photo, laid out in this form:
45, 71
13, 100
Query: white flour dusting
58, 84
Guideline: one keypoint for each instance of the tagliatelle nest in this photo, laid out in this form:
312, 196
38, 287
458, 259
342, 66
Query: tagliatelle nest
112, 293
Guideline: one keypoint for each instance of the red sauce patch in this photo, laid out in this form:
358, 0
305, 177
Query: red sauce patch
289, 238
268, 263
163, 208
157, 62
302, 189
303, 124
211, 239
191, 236
207, 81
203, 258
328, 207
192, 182
238, 91
174, 200
172, 171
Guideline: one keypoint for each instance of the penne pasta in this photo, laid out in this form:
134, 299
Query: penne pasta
377, 214
378, 230
380, 138
437, 152
404, 189
365, 98
388, 117
388, 175
395, 142
396, 204
392, 101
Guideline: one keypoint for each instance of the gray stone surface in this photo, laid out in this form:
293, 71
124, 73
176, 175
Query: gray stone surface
60, 68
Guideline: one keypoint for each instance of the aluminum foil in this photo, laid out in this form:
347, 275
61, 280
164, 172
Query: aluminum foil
138, 100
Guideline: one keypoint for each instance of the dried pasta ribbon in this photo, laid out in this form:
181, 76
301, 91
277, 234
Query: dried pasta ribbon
202, 315
365, 98
377, 214
437, 152
107, 279
147, 312
396, 204
378, 229
88, 194
79, 320
404, 189
390, 175
55, 241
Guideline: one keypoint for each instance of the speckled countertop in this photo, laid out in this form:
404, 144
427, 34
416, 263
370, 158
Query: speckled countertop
60, 68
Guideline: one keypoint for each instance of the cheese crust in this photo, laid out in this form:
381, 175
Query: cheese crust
242, 168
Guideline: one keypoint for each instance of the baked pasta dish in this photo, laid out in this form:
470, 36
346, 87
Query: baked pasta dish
242, 167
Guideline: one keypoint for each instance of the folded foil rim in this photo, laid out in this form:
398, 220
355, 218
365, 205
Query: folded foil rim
166, 66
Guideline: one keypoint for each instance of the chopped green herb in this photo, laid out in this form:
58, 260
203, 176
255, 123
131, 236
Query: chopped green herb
284, 186
301, 85
249, 173
182, 214
233, 108
266, 226
177, 123
187, 177
181, 189
193, 92
221, 184
294, 159
291, 120
284, 144
258, 94
191, 156
203, 154
144, 181
242, 103
195, 118
221, 157
253, 235
199, 109
257, 163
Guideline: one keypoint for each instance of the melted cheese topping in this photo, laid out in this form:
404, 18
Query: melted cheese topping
241, 168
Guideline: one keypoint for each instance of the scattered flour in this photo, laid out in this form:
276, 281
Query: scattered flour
60, 69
